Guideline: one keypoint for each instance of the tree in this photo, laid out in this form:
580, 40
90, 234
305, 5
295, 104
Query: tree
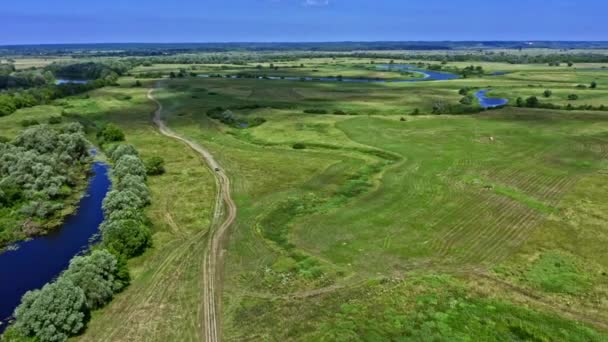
532, 102
155, 166
122, 150
547, 93
519, 102
54, 313
117, 200
137, 83
96, 274
126, 237
129, 165
593, 85
136, 185
40, 138
111, 133
466, 100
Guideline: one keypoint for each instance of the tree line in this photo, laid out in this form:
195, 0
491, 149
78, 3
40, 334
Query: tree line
61, 309
37, 87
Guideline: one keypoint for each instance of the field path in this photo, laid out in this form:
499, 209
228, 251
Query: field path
212, 263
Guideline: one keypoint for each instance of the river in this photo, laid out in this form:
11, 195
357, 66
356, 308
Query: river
489, 102
40, 260
427, 75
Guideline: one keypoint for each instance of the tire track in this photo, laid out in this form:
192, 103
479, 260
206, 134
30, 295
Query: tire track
212, 262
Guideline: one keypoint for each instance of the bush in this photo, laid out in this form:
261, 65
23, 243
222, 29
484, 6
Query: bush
122, 150
298, 146
129, 165
110, 133
467, 100
54, 120
136, 185
28, 123
54, 313
126, 237
117, 200
96, 274
572, 97
593, 85
315, 111
547, 93
155, 166
532, 102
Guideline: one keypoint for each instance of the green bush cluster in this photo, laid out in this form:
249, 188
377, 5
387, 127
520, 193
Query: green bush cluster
110, 133
533, 102
61, 308
39, 169
125, 230
227, 117
315, 111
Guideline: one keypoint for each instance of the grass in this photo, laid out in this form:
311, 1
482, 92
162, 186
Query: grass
161, 303
395, 226
430, 208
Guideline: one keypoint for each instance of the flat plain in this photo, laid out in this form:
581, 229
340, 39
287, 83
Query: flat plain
360, 221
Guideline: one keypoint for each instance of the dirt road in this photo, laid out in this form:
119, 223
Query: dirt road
213, 263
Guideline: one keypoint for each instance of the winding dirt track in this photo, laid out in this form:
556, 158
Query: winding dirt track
212, 267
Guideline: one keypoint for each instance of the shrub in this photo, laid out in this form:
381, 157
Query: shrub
298, 146
110, 133
572, 97
122, 150
96, 275
155, 166
54, 120
136, 185
532, 102
129, 165
547, 93
53, 313
28, 123
126, 237
117, 200
593, 85
315, 111
467, 100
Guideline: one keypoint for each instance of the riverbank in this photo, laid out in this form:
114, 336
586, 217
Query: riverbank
45, 257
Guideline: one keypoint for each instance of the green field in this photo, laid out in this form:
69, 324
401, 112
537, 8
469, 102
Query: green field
379, 225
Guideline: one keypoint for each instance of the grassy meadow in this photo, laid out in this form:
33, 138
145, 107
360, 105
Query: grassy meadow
487, 199
367, 223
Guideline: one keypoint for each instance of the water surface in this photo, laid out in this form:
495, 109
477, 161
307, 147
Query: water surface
427, 75
67, 81
489, 102
40, 260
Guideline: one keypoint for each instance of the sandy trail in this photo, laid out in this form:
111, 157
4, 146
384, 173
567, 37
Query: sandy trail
213, 263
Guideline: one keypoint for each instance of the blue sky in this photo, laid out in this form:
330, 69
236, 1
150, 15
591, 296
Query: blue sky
83, 21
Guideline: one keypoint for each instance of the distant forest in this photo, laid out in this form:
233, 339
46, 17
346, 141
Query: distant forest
148, 49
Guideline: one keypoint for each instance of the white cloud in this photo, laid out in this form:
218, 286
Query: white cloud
316, 2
